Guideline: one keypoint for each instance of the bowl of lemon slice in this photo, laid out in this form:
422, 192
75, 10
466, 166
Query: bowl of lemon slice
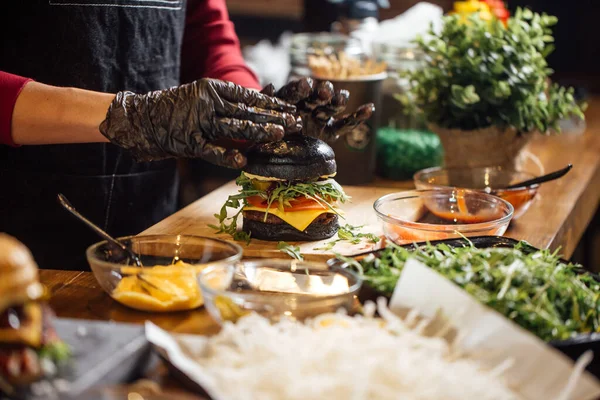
167, 279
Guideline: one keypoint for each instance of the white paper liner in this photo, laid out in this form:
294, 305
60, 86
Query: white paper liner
537, 371
177, 353
533, 369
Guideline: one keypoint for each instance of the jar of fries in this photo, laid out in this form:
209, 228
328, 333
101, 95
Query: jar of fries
362, 78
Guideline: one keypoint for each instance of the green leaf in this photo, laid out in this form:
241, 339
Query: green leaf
242, 236
292, 251
502, 90
328, 246
58, 351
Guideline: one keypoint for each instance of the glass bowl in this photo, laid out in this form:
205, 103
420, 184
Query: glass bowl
422, 215
277, 289
167, 281
485, 179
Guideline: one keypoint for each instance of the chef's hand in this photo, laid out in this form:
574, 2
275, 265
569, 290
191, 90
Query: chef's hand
186, 121
320, 106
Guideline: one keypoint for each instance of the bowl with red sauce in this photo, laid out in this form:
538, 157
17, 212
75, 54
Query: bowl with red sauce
490, 180
437, 214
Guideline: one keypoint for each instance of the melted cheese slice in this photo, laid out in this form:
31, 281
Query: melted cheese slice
298, 219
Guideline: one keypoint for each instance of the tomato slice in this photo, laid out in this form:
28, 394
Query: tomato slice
298, 204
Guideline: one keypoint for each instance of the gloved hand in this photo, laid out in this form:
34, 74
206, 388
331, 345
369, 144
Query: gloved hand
320, 107
187, 120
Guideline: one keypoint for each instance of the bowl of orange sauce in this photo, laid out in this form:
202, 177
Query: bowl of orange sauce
490, 180
437, 214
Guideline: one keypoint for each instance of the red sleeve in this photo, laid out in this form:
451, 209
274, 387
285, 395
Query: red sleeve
211, 47
10, 87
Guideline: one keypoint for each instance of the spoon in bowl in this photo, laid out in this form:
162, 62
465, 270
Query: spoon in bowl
120, 250
541, 179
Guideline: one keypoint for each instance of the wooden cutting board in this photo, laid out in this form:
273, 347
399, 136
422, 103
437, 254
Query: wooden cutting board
194, 220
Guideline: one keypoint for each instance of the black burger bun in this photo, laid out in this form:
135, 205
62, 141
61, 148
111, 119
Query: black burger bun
295, 158
321, 228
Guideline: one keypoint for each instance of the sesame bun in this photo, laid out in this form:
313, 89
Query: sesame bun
19, 271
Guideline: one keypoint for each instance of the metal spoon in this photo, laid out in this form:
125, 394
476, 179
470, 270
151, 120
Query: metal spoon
117, 246
541, 179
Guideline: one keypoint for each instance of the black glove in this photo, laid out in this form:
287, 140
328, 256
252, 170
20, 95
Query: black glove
185, 121
319, 107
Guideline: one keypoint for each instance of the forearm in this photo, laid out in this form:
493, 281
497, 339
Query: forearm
45, 114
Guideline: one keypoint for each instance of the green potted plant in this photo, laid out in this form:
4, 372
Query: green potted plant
485, 87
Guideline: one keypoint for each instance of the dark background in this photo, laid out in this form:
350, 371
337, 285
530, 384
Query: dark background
576, 60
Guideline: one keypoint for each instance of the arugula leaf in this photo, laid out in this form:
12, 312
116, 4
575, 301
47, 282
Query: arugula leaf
292, 251
328, 246
348, 233
552, 299
58, 352
242, 236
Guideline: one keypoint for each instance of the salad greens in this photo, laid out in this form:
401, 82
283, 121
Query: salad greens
552, 299
280, 193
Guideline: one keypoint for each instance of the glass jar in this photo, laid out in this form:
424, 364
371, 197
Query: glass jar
399, 58
321, 43
404, 143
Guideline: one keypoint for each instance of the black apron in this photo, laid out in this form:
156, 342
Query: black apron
105, 46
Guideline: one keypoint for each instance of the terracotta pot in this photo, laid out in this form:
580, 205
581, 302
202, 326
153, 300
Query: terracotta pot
481, 147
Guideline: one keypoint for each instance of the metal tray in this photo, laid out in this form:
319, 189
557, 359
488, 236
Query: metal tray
104, 353
573, 347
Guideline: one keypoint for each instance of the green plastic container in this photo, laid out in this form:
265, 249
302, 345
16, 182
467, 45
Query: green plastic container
402, 152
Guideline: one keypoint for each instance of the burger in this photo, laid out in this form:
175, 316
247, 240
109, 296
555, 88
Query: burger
287, 192
30, 348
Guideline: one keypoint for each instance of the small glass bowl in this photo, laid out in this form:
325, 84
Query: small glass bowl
277, 289
484, 179
426, 215
167, 281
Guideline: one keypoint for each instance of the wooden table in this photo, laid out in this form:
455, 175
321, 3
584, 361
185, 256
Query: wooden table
557, 219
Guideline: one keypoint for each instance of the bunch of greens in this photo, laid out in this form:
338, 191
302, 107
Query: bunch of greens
549, 298
278, 193
479, 74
